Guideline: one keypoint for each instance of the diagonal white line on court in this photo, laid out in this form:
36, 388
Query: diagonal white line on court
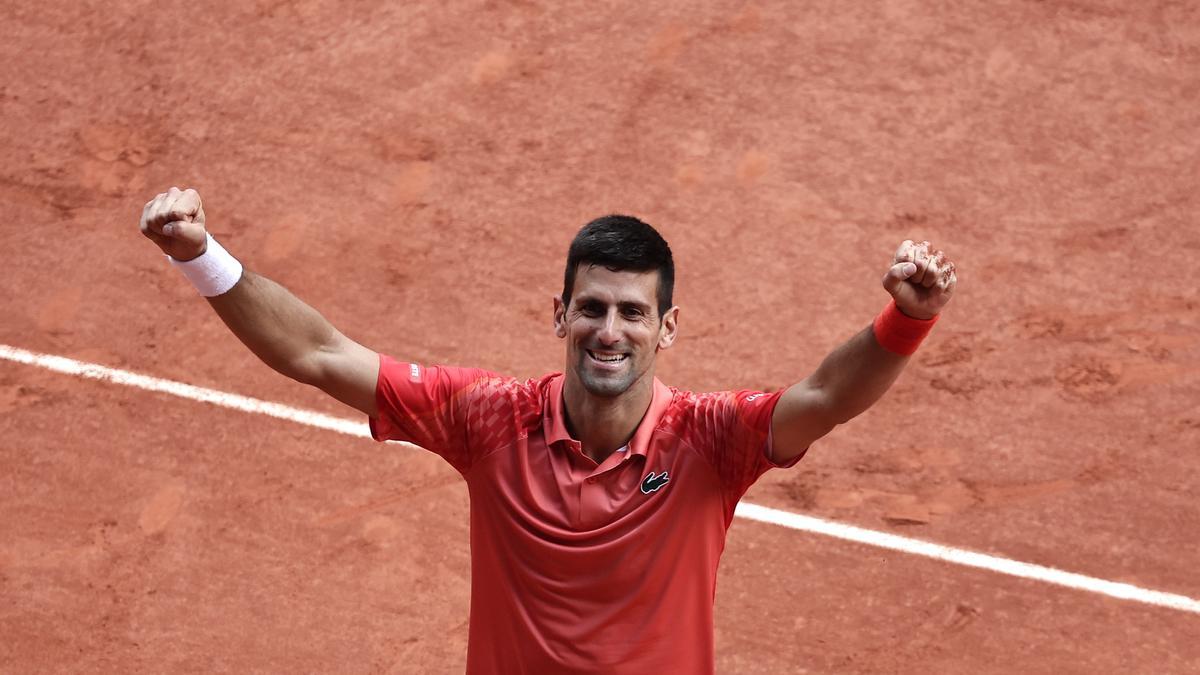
795, 521
967, 558
93, 371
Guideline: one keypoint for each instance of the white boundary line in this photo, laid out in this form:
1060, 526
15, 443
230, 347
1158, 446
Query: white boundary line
795, 521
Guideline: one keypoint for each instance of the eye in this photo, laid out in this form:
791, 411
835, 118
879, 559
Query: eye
632, 313
591, 310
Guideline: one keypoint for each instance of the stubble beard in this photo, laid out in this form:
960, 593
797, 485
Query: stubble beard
609, 386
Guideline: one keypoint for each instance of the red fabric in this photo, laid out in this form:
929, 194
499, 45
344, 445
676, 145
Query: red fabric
899, 333
574, 568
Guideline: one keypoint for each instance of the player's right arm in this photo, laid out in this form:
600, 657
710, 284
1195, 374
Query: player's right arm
281, 330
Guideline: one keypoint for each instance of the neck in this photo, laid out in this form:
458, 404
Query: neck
603, 424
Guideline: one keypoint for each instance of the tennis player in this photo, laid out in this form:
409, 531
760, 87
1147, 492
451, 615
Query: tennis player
600, 497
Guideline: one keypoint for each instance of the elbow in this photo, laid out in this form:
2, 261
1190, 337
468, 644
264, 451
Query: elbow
304, 370
311, 378
826, 424
834, 410
842, 416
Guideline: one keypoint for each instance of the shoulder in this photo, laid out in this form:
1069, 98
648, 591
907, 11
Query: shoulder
484, 385
439, 385
531, 396
708, 412
684, 403
490, 396
686, 409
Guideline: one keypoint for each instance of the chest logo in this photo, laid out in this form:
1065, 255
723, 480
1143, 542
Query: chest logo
654, 482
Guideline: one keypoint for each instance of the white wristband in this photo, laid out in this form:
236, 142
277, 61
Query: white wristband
214, 272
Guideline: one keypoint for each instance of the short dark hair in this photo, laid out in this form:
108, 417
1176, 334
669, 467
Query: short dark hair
622, 243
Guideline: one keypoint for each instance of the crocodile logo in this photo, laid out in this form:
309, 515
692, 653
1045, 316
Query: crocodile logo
654, 482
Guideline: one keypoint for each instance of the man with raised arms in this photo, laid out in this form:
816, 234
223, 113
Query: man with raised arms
600, 497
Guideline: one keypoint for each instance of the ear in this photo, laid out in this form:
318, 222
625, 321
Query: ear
560, 317
669, 328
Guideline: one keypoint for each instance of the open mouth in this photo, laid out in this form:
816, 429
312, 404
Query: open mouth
607, 358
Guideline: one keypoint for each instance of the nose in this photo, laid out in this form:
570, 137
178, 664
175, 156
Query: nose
608, 335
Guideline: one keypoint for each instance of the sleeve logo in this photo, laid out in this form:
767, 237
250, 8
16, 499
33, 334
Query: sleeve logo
414, 372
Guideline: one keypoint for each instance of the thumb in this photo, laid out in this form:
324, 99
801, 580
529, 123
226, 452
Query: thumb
897, 275
184, 239
184, 230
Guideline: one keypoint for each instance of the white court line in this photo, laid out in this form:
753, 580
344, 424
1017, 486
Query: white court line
795, 521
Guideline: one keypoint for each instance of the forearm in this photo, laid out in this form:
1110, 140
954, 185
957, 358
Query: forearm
288, 335
858, 373
278, 327
855, 375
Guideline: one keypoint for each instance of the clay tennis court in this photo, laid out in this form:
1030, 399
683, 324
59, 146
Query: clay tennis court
416, 171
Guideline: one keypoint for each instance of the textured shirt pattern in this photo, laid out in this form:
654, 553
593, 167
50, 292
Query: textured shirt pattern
579, 567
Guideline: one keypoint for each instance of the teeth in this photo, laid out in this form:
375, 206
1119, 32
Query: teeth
607, 359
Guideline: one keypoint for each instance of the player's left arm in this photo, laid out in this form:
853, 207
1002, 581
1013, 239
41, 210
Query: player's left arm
855, 375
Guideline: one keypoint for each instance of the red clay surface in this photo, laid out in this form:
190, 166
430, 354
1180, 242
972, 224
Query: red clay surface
416, 172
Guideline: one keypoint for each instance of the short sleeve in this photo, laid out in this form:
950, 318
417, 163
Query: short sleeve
427, 406
740, 433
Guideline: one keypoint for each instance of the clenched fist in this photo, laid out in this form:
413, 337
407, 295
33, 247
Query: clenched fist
175, 221
921, 279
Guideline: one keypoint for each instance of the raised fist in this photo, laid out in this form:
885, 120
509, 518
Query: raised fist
921, 279
175, 221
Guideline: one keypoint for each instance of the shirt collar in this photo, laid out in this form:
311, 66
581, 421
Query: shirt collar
554, 418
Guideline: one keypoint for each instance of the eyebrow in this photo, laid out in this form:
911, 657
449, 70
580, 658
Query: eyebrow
583, 300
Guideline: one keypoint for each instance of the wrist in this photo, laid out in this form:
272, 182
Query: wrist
202, 251
912, 316
900, 333
213, 272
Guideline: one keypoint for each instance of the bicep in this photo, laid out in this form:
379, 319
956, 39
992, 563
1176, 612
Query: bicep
801, 416
348, 372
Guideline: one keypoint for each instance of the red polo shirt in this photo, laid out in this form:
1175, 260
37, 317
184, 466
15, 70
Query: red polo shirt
579, 567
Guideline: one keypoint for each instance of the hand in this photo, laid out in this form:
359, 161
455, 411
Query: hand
175, 221
921, 279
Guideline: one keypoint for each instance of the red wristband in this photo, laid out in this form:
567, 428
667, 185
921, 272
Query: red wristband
899, 333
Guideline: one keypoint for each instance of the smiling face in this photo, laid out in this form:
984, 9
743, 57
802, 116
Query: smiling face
613, 329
